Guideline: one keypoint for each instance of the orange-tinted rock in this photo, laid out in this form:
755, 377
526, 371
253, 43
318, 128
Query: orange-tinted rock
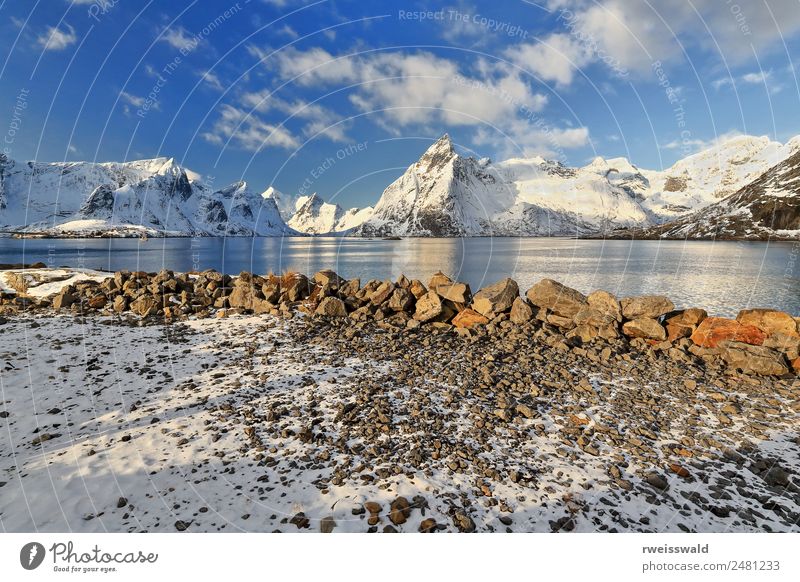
469, 318
715, 330
769, 321
796, 365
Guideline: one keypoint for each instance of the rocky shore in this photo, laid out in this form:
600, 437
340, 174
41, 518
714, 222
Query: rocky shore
392, 406
758, 341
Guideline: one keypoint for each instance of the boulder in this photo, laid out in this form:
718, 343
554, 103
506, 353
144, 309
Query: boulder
455, 292
120, 303
769, 321
429, 307
645, 328
65, 298
560, 299
590, 315
752, 359
296, 285
691, 317
584, 332
331, 307
350, 288
495, 299
328, 277
469, 318
650, 306
242, 296
401, 300
439, 279
712, 331
521, 312
787, 344
676, 331
97, 301
145, 305
559, 321
382, 293
605, 303
417, 289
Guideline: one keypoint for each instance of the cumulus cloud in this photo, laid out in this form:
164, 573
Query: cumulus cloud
763, 78
212, 80
554, 58
57, 39
639, 33
248, 131
413, 88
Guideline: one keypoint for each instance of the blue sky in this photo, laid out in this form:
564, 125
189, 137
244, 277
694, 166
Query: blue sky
339, 96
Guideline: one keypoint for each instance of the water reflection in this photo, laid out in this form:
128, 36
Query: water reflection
722, 276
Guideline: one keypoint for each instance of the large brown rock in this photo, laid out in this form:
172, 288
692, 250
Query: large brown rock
401, 300
469, 318
495, 299
328, 277
752, 359
429, 307
560, 299
691, 317
145, 305
296, 285
605, 303
417, 288
651, 306
595, 317
331, 307
382, 293
439, 279
455, 292
787, 344
712, 331
769, 321
644, 327
65, 298
521, 312
242, 296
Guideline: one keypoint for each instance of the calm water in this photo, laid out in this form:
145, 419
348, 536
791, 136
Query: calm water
720, 276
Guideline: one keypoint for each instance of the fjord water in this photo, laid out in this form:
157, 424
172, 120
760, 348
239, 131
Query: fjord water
722, 277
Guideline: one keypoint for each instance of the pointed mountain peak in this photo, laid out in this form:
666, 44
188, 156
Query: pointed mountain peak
439, 154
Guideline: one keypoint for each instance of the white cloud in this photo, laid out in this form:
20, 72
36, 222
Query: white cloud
181, 39
134, 100
763, 78
637, 33
555, 58
320, 120
248, 131
414, 88
56, 39
212, 80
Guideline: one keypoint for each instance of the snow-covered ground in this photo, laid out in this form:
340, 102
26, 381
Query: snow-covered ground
41, 283
204, 426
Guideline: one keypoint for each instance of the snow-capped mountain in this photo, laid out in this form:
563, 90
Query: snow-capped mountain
152, 196
442, 194
766, 208
315, 216
287, 205
445, 194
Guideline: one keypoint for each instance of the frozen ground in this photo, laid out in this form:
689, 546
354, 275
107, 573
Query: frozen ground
236, 425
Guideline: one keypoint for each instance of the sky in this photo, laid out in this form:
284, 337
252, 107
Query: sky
339, 97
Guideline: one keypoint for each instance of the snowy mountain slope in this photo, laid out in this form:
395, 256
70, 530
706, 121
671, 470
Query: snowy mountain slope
766, 208
315, 216
708, 176
444, 194
153, 196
